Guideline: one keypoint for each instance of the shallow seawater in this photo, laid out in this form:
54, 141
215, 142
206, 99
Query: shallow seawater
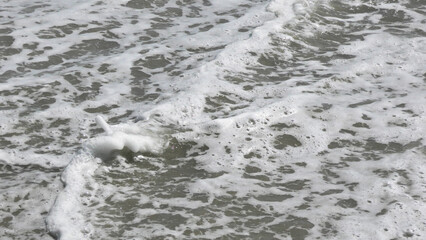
187, 119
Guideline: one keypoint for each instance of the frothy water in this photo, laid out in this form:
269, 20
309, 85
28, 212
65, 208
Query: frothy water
242, 119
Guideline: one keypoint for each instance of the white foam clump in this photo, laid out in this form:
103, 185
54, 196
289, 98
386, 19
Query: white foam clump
129, 136
104, 145
66, 220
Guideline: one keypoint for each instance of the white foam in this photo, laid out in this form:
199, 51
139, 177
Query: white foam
66, 211
242, 131
78, 180
102, 146
102, 123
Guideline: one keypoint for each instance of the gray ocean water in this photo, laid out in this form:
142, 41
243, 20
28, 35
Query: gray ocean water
213, 119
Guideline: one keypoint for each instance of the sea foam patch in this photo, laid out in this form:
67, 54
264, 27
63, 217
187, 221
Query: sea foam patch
78, 176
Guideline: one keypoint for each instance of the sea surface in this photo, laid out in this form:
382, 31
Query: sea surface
213, 119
